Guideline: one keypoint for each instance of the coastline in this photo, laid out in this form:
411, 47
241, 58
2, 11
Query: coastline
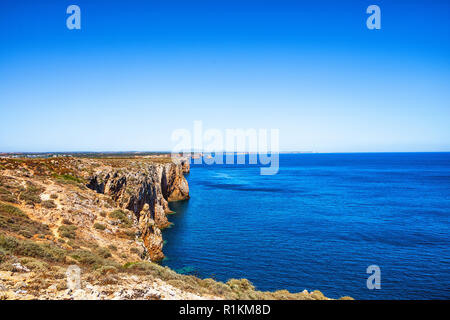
104, 216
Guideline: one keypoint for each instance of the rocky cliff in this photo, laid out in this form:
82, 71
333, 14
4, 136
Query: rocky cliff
145, 188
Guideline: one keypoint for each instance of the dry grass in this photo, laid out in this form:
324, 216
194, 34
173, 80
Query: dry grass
233, 289
49, 204
41, 167
31, 195
27, 248
67, 231
7, 196
67, 179
99, 226
12, 219
122, 216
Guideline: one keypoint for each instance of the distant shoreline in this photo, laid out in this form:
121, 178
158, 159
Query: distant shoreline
107, 154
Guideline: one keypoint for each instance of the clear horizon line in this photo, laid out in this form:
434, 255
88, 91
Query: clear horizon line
253, 152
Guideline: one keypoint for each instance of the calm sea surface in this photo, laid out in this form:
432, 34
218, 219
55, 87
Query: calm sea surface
319, 223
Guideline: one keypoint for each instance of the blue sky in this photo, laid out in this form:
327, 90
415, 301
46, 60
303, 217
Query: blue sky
137, 70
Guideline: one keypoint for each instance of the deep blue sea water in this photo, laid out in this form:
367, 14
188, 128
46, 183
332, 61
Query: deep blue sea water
319, 223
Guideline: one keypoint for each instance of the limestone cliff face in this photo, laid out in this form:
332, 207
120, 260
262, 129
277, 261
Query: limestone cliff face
151, 234
144, 188
185, 165
174, 185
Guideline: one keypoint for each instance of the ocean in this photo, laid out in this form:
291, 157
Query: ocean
319, 223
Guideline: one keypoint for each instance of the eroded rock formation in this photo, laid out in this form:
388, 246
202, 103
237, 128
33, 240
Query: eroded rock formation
151, 234
145, 189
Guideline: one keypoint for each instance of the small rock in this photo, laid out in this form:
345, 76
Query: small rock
53, 288
80, 294
21, 292
20, 285
17, 267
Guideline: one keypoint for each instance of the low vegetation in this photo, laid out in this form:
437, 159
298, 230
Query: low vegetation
103, 252
122, 216
232, 289
12, 219
99, 226
31, 195
7, 196
92, 259
49, 204
9, 189
67, 231
28, 248
48, 252
67, 179
127, 234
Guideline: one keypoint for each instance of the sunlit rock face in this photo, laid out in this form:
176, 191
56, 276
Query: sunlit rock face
144, 188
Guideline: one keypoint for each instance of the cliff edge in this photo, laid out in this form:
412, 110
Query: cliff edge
144, 188
103, 215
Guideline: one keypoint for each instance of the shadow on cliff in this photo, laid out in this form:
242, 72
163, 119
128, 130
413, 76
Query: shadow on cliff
179, 207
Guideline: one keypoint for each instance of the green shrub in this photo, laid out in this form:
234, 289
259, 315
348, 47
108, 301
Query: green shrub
29, 248
73, 244
92, 259
34, 264
135, 250
7, 196
67, 179
216, 288
144, 267
99, 226
13, 219
37, 250
8, 244
25, 233
86, 257
49, 204
31, 195
103, 270
112, 247
130, 234
2, 256
9, 189
103, 252
67, 231
122, 216
240, 285
11, 210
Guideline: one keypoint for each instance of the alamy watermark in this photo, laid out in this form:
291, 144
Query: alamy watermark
374, 20
229, 146
374, 280
74, 20
73, 275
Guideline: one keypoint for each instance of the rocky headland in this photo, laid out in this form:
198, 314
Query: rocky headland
145, 189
